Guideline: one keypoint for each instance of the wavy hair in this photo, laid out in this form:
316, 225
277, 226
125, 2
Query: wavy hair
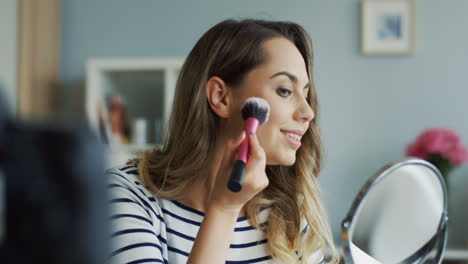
230, 50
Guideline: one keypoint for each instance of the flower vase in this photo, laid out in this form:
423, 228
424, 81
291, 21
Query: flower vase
444, 167
445, 174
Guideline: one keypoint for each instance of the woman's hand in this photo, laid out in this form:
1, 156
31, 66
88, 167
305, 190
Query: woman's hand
216, 231
255, 178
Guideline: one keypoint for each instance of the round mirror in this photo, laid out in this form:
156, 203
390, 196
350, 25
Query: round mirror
399, 216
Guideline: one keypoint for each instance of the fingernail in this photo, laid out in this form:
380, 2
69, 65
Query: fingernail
241, 135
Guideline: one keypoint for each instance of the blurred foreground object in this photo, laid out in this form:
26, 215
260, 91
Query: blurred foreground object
55, 209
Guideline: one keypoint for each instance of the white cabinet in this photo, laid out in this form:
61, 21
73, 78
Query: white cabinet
8, 53
146, 87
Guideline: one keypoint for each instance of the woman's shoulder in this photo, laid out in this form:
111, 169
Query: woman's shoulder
127, 173
125, 181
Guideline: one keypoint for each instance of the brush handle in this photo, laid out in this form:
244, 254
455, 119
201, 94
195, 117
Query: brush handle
237, 174
251, 125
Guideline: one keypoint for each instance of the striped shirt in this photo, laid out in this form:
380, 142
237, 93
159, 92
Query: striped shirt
149, 229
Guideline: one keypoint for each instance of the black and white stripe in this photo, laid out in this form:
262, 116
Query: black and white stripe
148, 229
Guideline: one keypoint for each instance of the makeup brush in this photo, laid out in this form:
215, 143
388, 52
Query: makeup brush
255, 112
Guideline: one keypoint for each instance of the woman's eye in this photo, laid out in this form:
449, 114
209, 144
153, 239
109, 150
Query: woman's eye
283, 92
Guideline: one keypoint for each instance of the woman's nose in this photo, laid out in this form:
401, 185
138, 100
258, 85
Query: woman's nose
304, 112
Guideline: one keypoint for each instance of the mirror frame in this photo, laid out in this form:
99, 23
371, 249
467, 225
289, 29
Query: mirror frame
441, 234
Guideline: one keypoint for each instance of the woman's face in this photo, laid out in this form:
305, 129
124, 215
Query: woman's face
283, 82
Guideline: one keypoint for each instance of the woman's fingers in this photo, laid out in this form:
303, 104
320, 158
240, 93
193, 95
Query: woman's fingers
255, 179
256, 164
232, 146
237, 141
256, 151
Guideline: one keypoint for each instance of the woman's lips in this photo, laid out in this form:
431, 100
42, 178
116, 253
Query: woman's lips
292, 138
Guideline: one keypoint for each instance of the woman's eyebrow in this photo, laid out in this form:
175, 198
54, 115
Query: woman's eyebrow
291, 76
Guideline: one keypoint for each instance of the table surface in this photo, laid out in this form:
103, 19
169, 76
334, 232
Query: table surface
456, 254
449, 253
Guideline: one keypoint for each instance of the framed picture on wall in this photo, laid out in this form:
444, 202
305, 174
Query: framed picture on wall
387, 27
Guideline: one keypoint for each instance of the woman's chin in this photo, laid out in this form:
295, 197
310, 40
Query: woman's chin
283, 161
289, 162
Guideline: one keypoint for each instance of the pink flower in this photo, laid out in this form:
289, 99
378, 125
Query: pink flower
438, 140
442, 141
458, 156
416, 150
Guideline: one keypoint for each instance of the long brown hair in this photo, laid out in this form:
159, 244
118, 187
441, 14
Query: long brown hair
230, 50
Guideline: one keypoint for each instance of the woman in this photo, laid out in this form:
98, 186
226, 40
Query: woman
172, 204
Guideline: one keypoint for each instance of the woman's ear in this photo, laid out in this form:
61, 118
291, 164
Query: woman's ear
217, 94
